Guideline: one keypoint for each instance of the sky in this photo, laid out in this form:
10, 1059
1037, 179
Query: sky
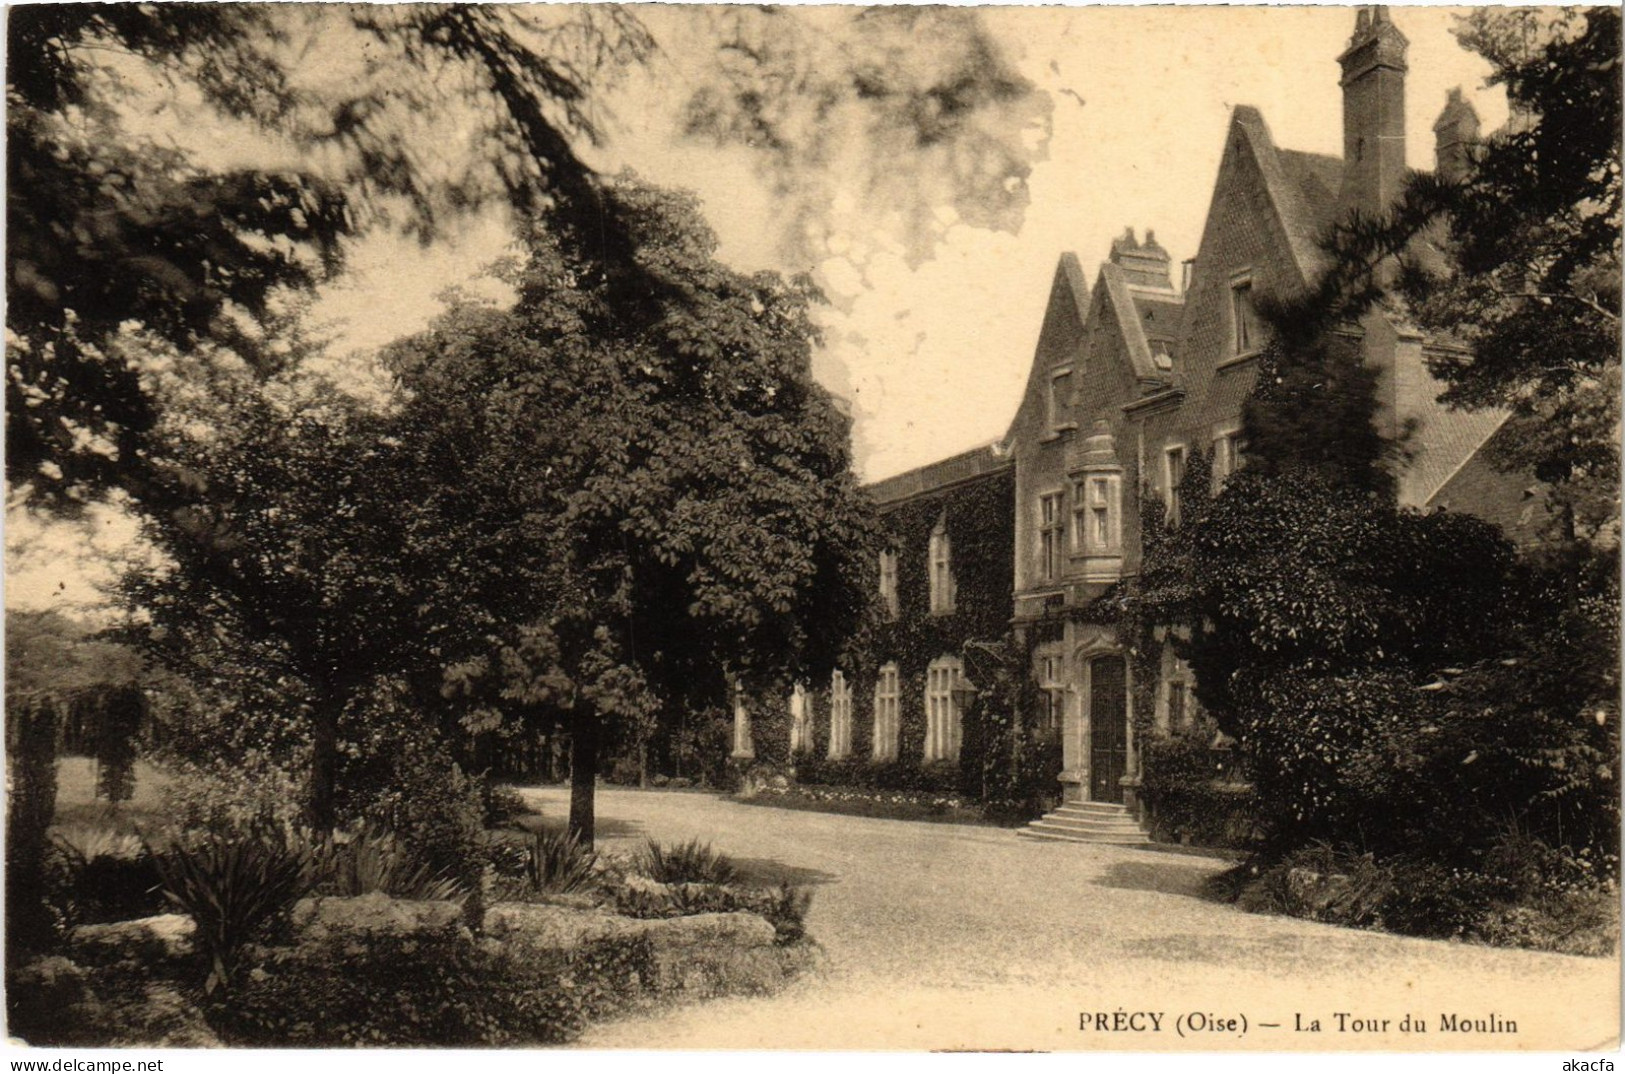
931, 356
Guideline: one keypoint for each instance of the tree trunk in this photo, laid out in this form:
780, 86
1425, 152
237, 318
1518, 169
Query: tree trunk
583, 773
324, 752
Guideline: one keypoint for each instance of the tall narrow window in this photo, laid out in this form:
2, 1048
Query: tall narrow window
1060, 399
1173, 475
800, 721
1243, 318
940, 559
840, 717
1049, 536
1096, 514
942, 721
1225, 459
888, 582
1053, 686
1177, 717
886, 721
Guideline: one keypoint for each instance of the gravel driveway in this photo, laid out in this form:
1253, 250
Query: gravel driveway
948, 937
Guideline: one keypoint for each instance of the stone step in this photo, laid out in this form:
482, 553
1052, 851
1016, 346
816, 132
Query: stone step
1104, 825
1108, 823
1039, 830
1092, 809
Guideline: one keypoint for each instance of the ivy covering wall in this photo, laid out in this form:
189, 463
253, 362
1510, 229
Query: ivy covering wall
979, 516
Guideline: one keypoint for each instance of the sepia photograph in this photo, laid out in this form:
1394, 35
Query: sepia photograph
721, 528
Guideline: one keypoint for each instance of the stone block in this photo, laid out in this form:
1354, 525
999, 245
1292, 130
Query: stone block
165, 937
372, 914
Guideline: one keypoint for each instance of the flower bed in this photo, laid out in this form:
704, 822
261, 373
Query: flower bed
864, 802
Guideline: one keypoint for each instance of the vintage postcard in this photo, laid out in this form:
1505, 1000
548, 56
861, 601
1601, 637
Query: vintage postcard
901, 528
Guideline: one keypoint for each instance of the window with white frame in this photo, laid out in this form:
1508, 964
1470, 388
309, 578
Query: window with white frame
1243, 317
1225, 457
886, 714
1060, 398
840, 717
1173, 475
888, 582
800, 720
1096, 514
942, 721
940, 559
1053, 685
1049, 536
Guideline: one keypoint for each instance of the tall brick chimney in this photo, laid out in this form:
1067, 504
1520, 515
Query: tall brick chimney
1454, 133
1373, 113
1142, 264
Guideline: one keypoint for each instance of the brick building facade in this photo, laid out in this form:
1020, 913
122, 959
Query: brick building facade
1139, 370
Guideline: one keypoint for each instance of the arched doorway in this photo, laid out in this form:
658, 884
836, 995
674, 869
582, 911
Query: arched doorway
1108, 728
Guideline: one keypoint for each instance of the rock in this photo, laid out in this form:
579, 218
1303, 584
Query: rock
570, 901
539, 927
162, 938
372, 914
710, 930
536, 926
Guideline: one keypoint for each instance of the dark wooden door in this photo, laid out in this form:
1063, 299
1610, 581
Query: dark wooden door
1108, 728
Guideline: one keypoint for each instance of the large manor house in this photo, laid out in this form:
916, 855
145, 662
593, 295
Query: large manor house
1137, 367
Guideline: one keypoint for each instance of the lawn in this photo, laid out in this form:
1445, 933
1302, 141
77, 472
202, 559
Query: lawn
78, 807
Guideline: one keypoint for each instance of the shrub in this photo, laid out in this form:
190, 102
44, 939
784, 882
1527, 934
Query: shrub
120, 712
501, 805
253, 793
559, 863
1184, 794
31, 732
434, 808
375, 860
442, 989
508, 858
98, 876
784, 907
687, 863
235, 884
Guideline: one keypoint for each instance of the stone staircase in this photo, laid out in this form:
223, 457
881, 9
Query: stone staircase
1088, 822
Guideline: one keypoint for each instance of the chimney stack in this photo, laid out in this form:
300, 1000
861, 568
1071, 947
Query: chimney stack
1454, 133
1373, 113
1145, 264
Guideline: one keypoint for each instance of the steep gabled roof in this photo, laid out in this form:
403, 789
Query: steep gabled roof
1447, 441
1114, 282
1302, 189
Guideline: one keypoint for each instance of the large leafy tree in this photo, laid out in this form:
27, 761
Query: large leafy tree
408, 116
1530, 283
283, 592
110, 227
666, 490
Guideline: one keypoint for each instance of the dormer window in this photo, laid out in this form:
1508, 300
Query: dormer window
940, 561
1243, 317
1060, 400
